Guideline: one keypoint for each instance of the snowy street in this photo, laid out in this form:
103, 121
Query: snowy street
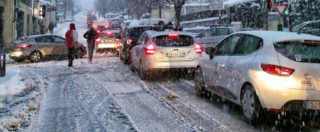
106, 95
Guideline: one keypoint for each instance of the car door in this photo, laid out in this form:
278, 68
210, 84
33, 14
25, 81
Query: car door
135, 51
239, 63
204, 37
215, 68
60, 43
46, 45
219, 34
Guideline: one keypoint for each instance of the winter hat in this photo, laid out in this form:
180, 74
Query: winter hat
72, 26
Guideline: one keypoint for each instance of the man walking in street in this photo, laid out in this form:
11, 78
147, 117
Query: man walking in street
91, 35
51, 27
71, 42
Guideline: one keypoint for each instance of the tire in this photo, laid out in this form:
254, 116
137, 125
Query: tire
250, 104
79, 53
131, 66
35, 56
142, 74
199, 83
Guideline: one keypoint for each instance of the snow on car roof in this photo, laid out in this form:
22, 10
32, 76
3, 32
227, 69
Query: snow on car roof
153, 33
277, 36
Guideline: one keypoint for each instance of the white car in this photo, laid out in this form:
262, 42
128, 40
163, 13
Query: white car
275, 71
158, 51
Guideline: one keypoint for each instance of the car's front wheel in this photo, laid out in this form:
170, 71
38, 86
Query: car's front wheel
199, 83
250, 104
35, 56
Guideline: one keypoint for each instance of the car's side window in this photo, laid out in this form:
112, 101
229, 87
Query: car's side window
40, 39
222, 31
58, 40
227, 46
248, 45
141, 39
145, 39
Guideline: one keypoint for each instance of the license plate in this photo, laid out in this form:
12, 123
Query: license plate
315, 105
176, 54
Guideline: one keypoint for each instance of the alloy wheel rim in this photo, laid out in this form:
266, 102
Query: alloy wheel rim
248, 102
36, 57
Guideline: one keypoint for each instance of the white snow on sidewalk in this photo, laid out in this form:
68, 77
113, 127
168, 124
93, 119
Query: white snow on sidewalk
11, 84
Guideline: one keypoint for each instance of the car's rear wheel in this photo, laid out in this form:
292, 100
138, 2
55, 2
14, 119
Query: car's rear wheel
79, 53
131, 65
142, 74
199, 83
250, 104
35, 56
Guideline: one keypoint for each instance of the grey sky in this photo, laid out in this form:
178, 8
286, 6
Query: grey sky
87, 4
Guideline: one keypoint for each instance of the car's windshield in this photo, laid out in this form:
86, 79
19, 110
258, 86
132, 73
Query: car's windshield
176, 41
300, 51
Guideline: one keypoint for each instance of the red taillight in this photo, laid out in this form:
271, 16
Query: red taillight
277, 70
117, 40
198, 49
98, 31
173, 35
24, 46
106, 26
150, 49
129, 41
151, 69
98, 39
109, 33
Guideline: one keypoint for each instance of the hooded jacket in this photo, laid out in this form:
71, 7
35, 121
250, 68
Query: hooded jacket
71, 36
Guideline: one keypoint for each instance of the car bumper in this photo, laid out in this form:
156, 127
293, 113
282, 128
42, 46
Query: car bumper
169, 65
277, 92
107, 46
17, 55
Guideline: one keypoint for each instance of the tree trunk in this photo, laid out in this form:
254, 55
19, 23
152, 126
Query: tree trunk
160, 10
178, 14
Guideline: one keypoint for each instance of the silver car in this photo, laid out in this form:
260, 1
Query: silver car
211, 37
158, 51
37, 47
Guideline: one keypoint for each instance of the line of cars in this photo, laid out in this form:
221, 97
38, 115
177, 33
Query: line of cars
261, 71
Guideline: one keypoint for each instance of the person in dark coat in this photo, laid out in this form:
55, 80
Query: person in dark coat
51, 27
71, 43
91, 35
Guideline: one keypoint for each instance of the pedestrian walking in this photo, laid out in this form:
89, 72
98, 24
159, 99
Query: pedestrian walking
91, 35
51, 27
71, 43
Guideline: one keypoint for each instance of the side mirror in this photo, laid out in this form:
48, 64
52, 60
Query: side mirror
209, 51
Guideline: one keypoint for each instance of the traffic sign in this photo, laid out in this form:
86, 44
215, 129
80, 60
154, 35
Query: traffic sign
281, 8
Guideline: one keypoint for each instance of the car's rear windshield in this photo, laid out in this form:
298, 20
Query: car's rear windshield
307, 52
166, 41
136, 32
106, 36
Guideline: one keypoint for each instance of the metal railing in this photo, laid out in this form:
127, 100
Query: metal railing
2, 65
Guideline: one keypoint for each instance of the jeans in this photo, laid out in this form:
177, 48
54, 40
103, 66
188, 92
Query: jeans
71, 52
90, 50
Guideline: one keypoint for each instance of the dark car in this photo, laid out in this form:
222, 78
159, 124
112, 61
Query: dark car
90, 19
129, 38
37, 47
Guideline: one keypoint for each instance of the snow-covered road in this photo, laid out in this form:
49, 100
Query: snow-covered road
106, 96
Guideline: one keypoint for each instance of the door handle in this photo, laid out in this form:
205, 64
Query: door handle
222, 65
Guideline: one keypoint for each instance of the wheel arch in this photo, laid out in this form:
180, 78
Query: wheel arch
255, 89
